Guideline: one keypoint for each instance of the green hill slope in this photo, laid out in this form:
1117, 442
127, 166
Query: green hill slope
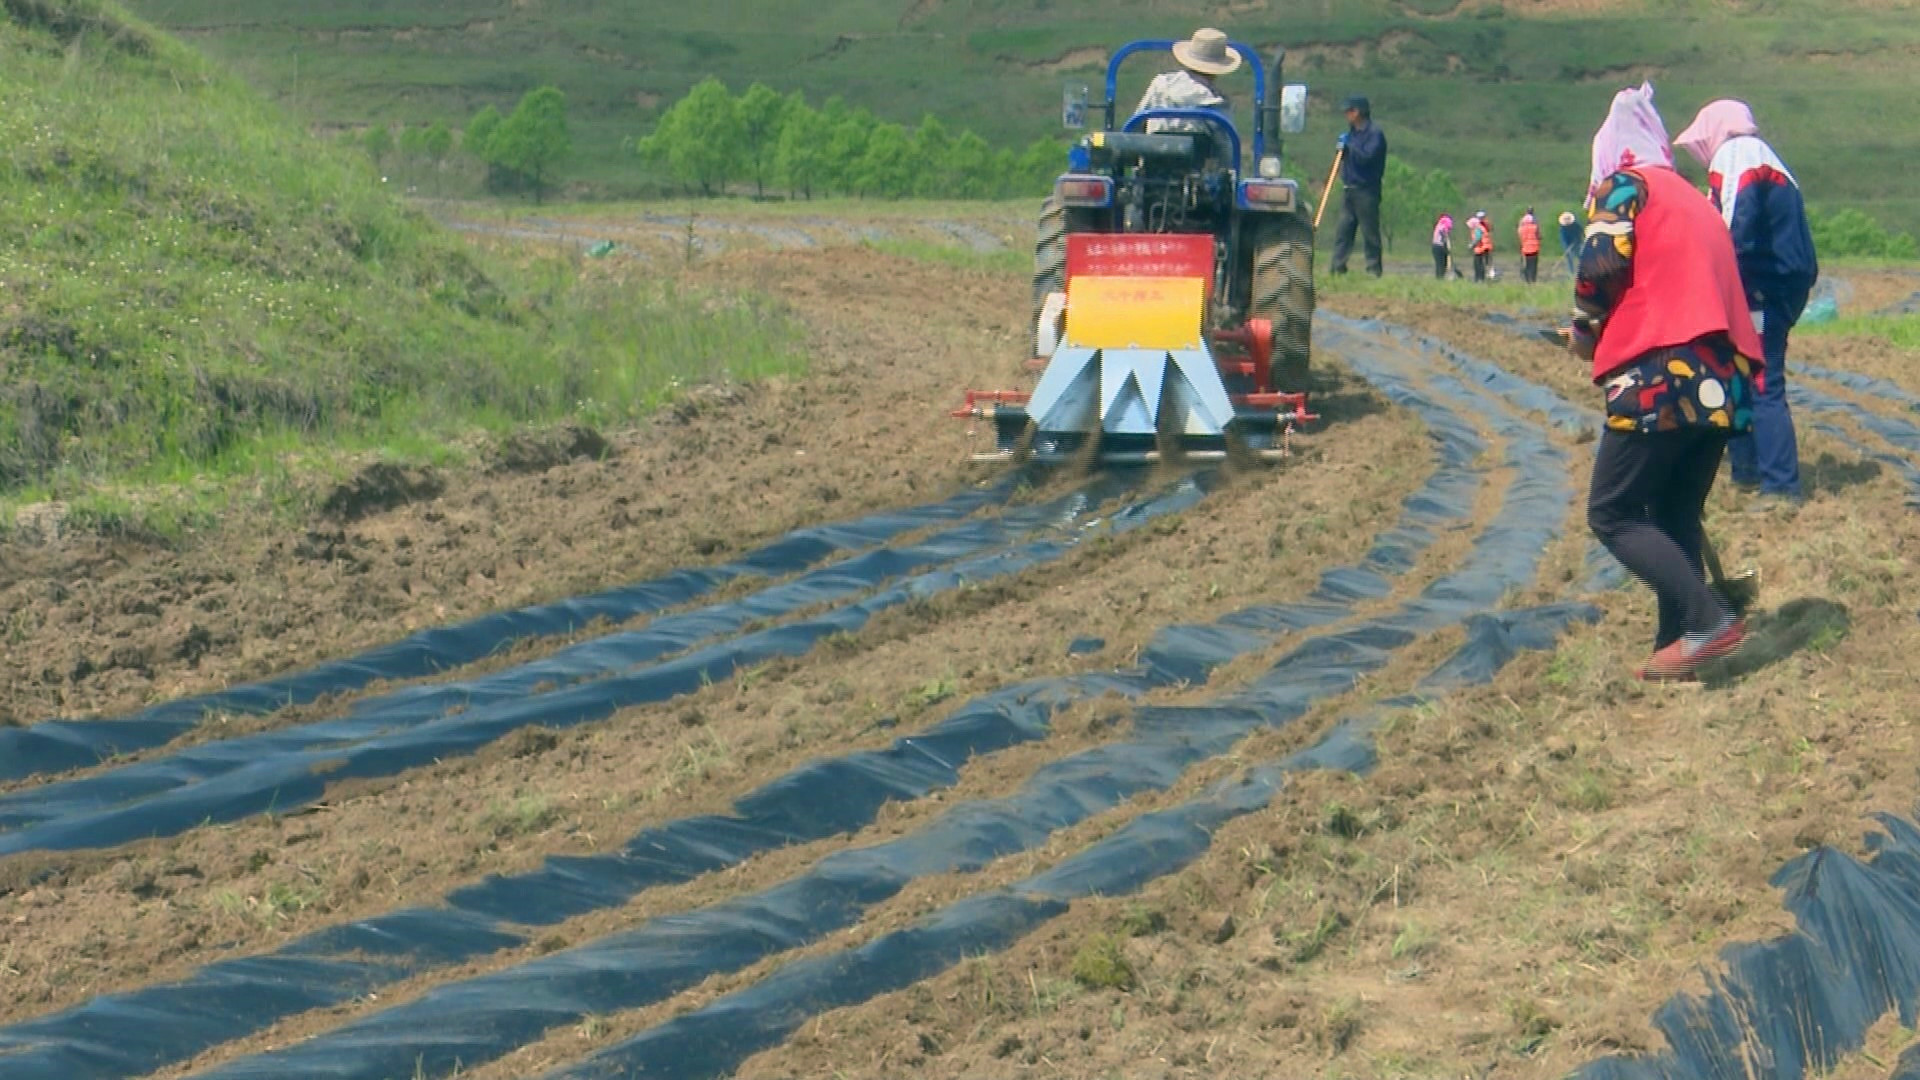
1504, 95
189, 284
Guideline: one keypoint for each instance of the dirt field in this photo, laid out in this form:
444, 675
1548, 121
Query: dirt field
1545, 853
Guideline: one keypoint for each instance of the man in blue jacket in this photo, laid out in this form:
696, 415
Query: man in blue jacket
1361, 170
1761, 203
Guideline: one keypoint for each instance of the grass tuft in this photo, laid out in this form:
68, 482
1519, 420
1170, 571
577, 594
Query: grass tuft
1100, 963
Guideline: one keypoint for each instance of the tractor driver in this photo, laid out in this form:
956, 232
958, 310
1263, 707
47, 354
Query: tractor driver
1202, 58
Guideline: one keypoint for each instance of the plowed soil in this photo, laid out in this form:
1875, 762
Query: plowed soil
1535, 868
103, 625
1535, 865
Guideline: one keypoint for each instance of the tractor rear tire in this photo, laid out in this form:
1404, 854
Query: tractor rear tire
1283, 295
1050, 252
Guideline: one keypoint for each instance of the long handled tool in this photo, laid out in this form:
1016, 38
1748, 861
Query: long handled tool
1326, 193
1742, 591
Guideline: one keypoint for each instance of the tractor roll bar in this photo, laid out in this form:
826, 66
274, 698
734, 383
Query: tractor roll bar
1246, 52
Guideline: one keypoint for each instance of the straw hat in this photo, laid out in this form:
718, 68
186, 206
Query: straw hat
1207, 53
1566, 217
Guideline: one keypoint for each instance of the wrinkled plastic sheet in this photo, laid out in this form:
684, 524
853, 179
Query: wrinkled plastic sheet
297, 777
483, 1018
714, 1040
1796, 1005
1901, 433
1864, 384
59, 745
1494, 378
220, 1002
412, 706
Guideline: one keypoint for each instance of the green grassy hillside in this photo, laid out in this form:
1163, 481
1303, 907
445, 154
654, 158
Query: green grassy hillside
1504, 95
191, 286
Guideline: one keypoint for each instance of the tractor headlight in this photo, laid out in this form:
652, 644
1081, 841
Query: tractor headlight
1270, 167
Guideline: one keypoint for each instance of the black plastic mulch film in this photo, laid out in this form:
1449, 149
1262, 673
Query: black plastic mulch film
230, 999
415, 705
715, 1039
290, 767
482, 1018
58, 745
1798, 1004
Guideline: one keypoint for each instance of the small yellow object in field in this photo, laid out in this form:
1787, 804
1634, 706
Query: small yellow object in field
1134, 312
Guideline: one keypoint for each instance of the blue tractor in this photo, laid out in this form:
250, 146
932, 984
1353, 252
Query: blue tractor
1124, 179
1172, 290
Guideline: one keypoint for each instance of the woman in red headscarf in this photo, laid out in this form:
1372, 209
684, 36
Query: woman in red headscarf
1662, 319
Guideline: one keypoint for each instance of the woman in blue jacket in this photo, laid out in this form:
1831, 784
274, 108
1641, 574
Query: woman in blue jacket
1761, 204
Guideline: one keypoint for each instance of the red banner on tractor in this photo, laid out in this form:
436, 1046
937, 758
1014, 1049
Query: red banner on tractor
1158, 255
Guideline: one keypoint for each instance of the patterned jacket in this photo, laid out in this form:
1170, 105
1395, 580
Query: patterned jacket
1179, 90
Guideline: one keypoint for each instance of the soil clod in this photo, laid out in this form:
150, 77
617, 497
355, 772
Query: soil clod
381, 486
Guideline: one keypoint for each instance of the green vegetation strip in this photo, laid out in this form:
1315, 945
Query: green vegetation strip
190, 288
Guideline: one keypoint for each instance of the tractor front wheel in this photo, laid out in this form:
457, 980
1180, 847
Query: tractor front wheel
1050, 252
1283, 295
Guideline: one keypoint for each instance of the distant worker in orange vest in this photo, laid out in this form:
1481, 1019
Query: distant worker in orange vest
1481, 232
1530, 247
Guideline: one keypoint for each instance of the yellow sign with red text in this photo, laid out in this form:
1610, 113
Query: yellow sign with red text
1135, 312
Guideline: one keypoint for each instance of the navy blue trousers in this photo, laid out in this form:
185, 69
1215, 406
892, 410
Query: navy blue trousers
1769, 457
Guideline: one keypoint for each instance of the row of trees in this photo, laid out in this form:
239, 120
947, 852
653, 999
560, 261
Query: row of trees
430, 144
711, 140
520, 150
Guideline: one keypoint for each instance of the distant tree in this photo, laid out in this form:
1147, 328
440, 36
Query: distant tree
533, 139
413, 142
800, 157
887, 169
847, 144
699, 139
437, 143
970, 169
932, 159
1042, 161
378, 142
480, 131
763, 113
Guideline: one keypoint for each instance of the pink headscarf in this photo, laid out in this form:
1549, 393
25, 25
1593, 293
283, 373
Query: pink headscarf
1719, 121
1633, 135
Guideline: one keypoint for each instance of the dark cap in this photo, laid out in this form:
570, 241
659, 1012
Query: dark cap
1359, 104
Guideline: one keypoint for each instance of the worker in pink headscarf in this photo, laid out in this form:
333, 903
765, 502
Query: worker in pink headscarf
1442, 245
1662, 319
1760, 202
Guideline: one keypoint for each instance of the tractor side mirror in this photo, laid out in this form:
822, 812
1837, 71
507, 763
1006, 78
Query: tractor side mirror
1293, 108
1073, 107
